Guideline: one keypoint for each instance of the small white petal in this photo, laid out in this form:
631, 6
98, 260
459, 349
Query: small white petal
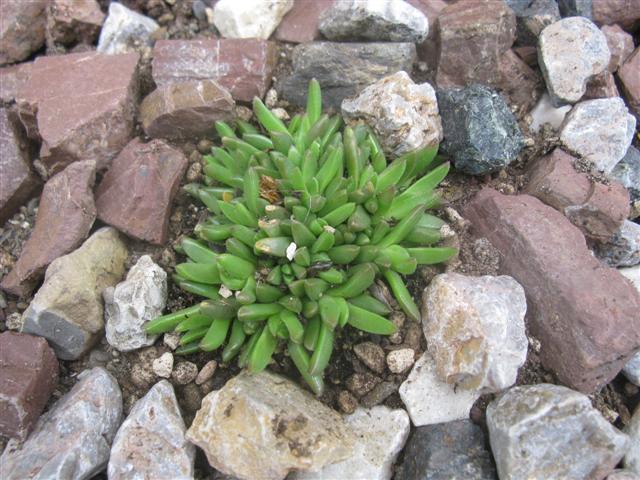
225, 292
291, 250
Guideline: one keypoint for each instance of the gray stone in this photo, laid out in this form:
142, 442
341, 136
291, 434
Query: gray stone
571, 52
249, 18
545, 113
550, 431
632, 369
67, 310
403, 115
480, 132
401, 360
381, 433
429, 400
632, 457
151, 442
343, 69
73, 439
600, 131
264, 425
371, 355
373, 20
447, 451
622, 474
163, 365
623, 250
125, 30
134, 302
576, 8
531, 18
475, 330
627, 172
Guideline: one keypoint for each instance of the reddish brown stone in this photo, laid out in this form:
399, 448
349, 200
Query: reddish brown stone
81, 105
598, 210
620, 45
242, 66
17, 181
300, 25
472, 36
186, 110
65, 217
584, 314
11, 79
602, 85
72, 21
517, 81
136, 193
28, 376
626, 13
629, 75
22, 24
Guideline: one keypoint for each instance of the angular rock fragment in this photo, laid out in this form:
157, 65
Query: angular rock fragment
475, 330
371, 355
518, 82
620, 45
343, 69
134, 302
250, 18
632, 457
186, 110
623, 249
11, 79
429, 400
443, 451
585, 339
242, 66
632, 369
73, 439
263, 426
389, 21
151, 442
597, 209
403, 115
65, 216
125, 31
550, 431
570, 52
67, 310
73, 21
531, 18
136, 193
480, 132
381, 433
301, 24
627, 172
22, 27
630, 81
623, 12
600, 131
18, 183
602, 85
81, 106
472, 38
28, 376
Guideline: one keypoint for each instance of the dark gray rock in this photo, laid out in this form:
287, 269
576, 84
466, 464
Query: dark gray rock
445, 451
576, 8
531, 17
480, 132
627, 172
623, 249
343, 69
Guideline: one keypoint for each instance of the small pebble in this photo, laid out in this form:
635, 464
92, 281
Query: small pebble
379, 394
192, 397
281, 113
244, 113
271, 98
14, 321
207, 387
206, 372
163, 366
141, 377
413, 336
347, 402
204, 146
194, 172
361, 383
401, 360
171, 340
184, 373
371, 355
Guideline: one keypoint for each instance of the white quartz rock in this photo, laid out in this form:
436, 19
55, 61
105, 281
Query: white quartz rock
249, 18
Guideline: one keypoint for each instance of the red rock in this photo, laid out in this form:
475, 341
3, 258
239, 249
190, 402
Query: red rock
65, 217
186, 110
17, 181
73, 21
81, 106
629, 75
626, 13
11, 79
22, 26
602, 85
517, 81
136, 193
598, 210
471, 37
584, 314
28, 376
300, 25
242, 66
620, 45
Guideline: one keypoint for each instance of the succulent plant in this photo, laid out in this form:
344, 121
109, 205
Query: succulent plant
305, 218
